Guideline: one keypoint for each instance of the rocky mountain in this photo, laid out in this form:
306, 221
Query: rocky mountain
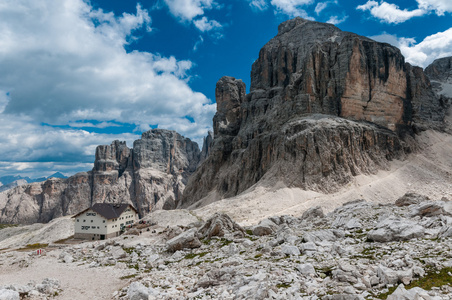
151, 175
324, 105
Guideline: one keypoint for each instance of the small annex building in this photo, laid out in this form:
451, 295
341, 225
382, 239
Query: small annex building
103, 220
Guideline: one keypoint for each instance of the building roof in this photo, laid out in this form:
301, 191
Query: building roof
108, 210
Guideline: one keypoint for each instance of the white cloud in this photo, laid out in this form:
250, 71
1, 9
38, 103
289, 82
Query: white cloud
260, 5
63, 62
205, 24
424, 53
292, 8
336, 20
320, 7
432, 47
198, 43
188, 9
439, 6
390, 13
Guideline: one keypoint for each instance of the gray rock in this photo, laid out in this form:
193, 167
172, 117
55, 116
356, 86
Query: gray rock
265, 227
187, 239
410, 199
313, 213
137, 291
306, 269
290, 250
414, 293
395, 229
219, 225
435, 208
6, 294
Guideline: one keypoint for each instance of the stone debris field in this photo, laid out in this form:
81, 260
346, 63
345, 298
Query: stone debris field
358, 251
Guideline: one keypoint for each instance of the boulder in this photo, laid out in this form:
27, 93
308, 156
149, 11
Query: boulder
188, 239
410, 199
219, 225
313, 213
306, 269
6, 294
290, 250
137, 291
265, 227
395, 229
429, 209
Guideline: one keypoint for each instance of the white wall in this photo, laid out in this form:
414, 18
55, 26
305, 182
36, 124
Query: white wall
91, 219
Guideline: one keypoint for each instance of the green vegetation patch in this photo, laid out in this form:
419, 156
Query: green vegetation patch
36, 246
193, 255
284, 285
224, 242
128, 276
433, 278
3, 226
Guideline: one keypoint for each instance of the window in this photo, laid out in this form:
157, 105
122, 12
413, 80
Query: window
78, 220
97, 227
103, 221
92, 221
84, 220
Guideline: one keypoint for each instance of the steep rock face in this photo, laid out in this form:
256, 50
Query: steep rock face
151, 175
324, 105
440, 75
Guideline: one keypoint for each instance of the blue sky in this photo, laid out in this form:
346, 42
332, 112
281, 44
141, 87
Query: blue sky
75, 74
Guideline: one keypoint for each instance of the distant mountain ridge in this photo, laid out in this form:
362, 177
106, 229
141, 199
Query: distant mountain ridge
11, 178
11, 181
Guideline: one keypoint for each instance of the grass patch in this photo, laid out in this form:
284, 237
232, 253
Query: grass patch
3, 226
385, 295
224, 242
433, 278
63, 241
128, 250
258, 255
128, 276
193, 255
284, 285
36, 246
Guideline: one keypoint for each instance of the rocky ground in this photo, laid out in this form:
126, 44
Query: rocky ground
360, 250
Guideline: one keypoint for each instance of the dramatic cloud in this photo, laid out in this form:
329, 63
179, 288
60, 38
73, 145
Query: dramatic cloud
390, 13
424, 53
63, 63
292, 8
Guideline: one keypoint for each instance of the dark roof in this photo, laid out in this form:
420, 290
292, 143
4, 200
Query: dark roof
108, 210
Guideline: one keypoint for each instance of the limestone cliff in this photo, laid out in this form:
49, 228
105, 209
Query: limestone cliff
151, 175
324, 105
